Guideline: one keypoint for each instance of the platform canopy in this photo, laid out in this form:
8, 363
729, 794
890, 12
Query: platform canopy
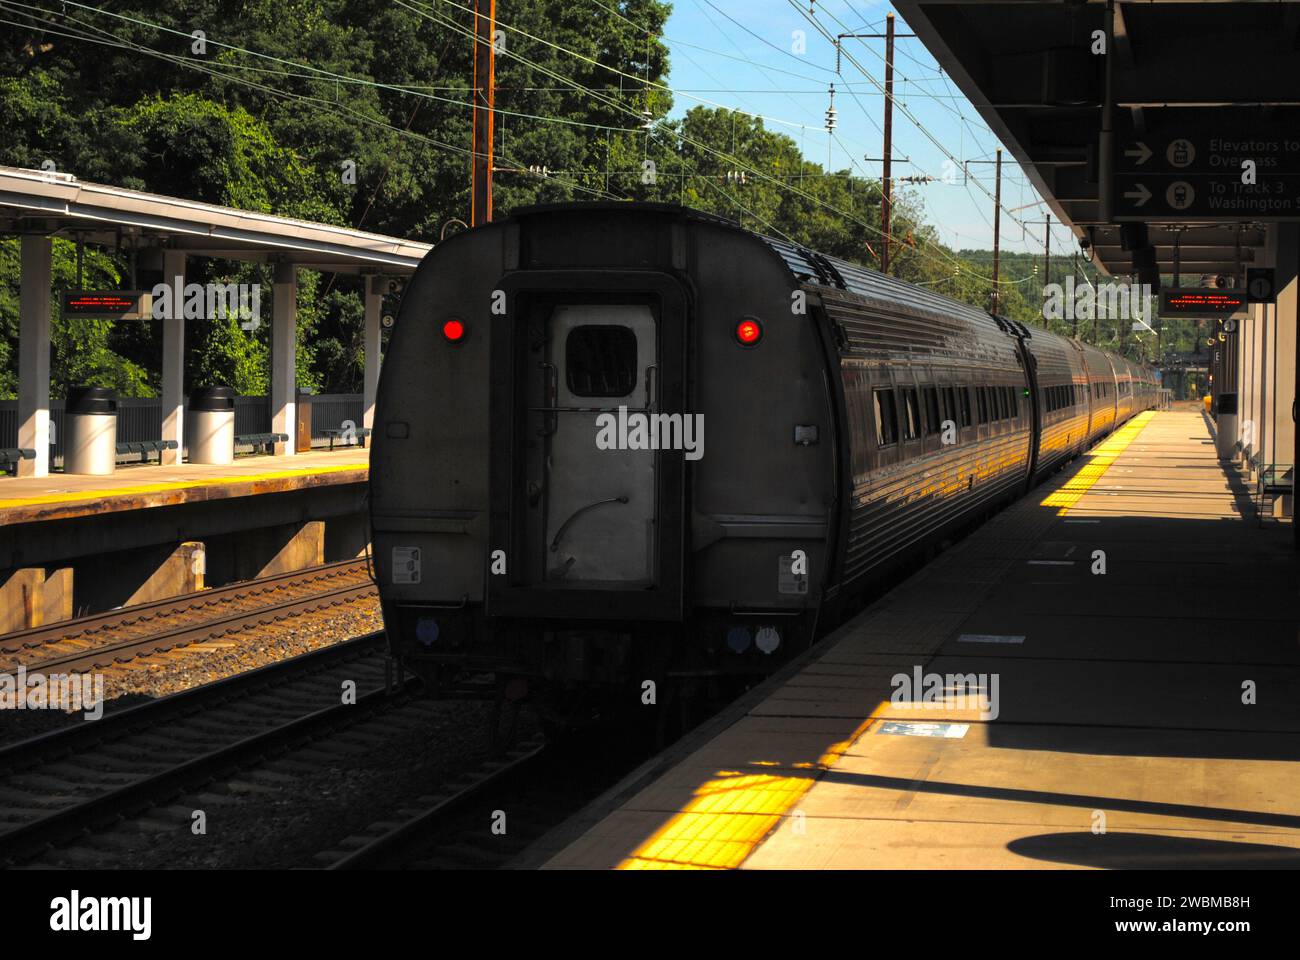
34, 201
1194, 88
37, 205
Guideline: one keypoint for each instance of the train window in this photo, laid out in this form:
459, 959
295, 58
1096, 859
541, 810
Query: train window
963, 396
950, 404
932, 417
600, 361
997, 405
982, 403
886, 418
1013, 410
911, 415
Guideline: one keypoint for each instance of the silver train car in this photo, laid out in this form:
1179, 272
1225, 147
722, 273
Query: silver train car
626, 442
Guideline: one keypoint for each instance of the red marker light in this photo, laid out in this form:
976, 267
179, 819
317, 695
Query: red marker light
454, 331
748, 332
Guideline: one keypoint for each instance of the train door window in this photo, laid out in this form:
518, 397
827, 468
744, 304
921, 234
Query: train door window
932, 416
886, 418
1012, 409
911, 415
963, 397
600, 361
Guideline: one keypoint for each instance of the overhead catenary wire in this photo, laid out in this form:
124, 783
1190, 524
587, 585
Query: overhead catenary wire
508, 52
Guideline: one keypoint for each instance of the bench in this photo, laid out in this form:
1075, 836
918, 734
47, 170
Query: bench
360, 433
9, 457
1275, 480
267, 440
144, 448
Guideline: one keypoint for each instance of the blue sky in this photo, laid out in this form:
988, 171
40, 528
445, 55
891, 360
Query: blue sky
738, 54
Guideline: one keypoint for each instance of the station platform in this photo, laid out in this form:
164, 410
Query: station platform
135, 487
1146, 716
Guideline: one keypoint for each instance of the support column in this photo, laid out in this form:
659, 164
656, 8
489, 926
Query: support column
370, 346
34, 356
284, 350
173, 359
1286, 316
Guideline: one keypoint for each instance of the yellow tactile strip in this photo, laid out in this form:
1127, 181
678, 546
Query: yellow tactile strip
147, 488
731, 815
1099, 461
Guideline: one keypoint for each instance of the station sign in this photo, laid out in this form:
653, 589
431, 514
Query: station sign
108, 304
1261, 285
1200, 302
1199, 166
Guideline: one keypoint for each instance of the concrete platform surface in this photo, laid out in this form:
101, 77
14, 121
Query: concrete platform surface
134, 487
1106, 674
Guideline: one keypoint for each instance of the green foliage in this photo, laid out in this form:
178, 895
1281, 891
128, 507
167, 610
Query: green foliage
82, 351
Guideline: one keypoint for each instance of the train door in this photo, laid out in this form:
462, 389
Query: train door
1029, 363
599, 473
591, 443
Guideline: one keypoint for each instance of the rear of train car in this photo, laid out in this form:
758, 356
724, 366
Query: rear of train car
617, 442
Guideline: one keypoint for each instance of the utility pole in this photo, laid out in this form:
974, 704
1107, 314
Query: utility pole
1074, 323
885, 183
887, 158
483, 95
1047, 252
997, 228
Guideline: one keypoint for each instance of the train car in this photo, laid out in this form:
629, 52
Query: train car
1100, 392
627, 442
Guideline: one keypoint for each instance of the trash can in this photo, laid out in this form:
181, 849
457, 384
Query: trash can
302, 437
210, 425
1225, 441
90, 428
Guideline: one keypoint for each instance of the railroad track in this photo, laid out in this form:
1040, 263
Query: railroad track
120, 636
65, 784
486, 818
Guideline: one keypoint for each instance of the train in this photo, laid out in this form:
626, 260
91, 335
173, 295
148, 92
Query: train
622, 446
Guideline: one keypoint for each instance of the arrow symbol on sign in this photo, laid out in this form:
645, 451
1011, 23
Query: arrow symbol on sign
1143, 153
1141, 195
